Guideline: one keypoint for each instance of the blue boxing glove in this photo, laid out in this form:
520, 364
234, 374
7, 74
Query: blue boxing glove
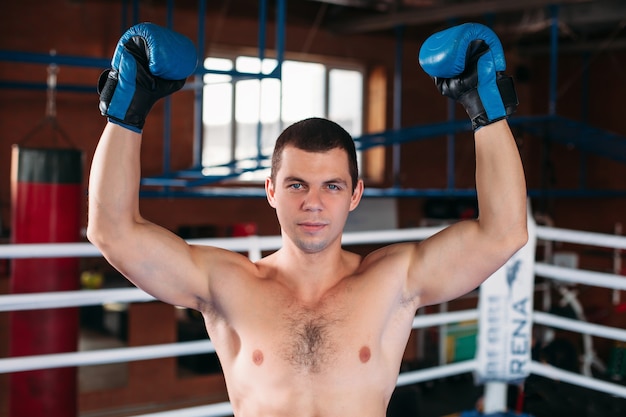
150, 62
467, 63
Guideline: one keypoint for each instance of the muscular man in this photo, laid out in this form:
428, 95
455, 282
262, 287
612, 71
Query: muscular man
312, 329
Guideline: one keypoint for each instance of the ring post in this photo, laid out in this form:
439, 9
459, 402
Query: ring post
505, 325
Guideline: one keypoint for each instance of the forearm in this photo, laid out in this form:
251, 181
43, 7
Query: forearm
500, 182
114, 181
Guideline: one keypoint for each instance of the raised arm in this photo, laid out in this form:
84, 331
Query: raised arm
149, 63
467, 64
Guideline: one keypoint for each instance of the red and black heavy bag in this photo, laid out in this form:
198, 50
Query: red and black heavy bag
46, 194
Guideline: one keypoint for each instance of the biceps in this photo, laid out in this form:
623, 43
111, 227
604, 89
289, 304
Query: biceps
161, 264
452, 263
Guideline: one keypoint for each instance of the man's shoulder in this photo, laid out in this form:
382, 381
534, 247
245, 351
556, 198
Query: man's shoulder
219, 262
392, 256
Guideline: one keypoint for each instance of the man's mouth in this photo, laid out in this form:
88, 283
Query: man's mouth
312, 227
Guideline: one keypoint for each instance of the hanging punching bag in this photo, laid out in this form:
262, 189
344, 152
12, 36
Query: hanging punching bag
46, 194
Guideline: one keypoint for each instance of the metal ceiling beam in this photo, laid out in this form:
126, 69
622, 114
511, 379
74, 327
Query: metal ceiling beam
574, 47
371, 192
364, 4
440, 14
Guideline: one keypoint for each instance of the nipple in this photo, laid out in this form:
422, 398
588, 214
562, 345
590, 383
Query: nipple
365, 354
257, 357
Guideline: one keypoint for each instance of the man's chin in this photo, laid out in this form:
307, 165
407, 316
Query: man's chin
311, 246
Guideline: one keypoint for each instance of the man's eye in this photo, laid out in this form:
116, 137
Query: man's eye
295, 186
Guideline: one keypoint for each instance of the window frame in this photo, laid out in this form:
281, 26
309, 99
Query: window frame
329, 63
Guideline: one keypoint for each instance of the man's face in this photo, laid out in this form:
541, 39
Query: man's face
312, 195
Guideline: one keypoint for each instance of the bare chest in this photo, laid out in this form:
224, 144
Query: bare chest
275, 331
359, 325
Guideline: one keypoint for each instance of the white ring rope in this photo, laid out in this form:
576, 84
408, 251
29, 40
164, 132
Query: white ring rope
581, 238
104, 356
35, 301
387, 236
579, 326
80, 298
429, 320
48, 250
242, 244
442, 371
223, 409
65, 250
552, 372
237, 244
116, 355
578, 276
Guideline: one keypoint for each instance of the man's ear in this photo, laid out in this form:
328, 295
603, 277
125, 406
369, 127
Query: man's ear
269, 191
356, 195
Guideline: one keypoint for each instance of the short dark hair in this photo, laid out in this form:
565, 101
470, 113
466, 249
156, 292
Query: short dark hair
316, 135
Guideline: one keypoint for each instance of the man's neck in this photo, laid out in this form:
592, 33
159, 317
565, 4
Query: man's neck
312, 275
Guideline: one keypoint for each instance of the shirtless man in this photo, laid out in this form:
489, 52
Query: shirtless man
312, 329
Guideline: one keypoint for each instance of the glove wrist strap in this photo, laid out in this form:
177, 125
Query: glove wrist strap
473, 104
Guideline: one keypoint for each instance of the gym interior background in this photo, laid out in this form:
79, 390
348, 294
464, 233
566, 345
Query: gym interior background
568, 59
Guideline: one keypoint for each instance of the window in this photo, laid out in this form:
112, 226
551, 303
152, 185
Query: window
243, 116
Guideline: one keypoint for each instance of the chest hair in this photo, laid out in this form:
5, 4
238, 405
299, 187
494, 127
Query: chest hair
311, 343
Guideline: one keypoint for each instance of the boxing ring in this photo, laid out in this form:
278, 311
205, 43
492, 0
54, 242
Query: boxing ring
255, 245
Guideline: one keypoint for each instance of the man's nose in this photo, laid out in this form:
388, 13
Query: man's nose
312, 200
